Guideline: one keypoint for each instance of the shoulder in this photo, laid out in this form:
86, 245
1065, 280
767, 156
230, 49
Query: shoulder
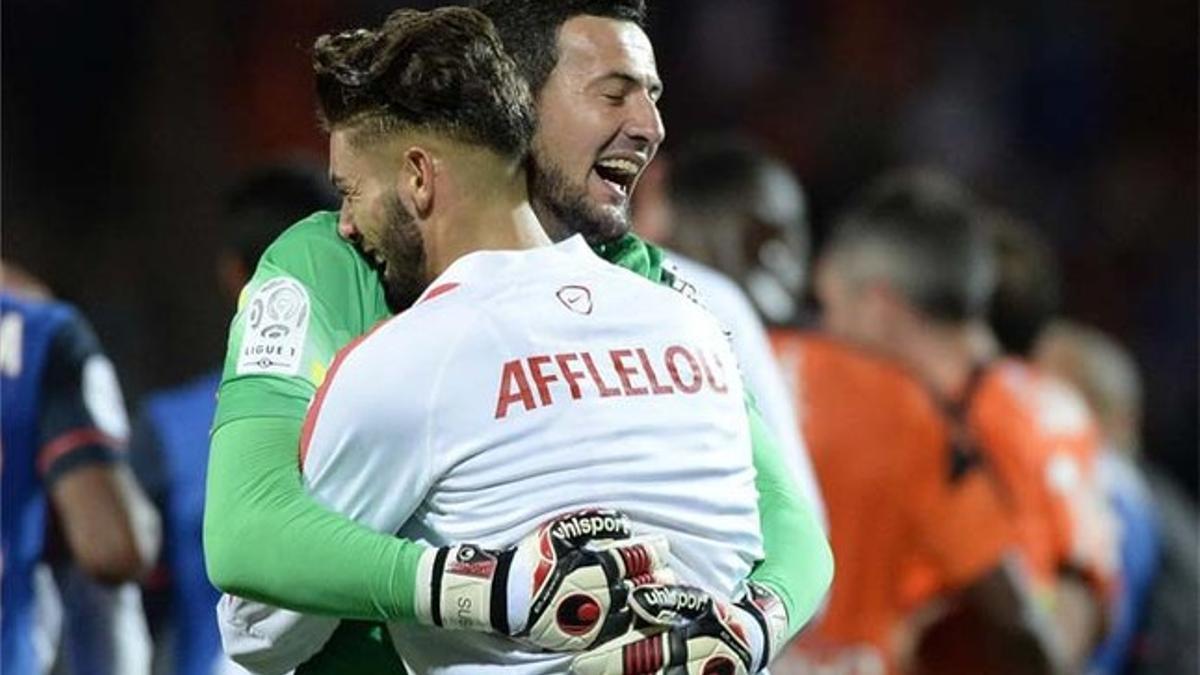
446, 319
313, 256
314, 235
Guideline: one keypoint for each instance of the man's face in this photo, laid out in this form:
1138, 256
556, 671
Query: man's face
850, 310
598, 127
376, 221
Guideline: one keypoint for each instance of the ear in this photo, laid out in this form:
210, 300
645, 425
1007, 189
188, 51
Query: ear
418, 180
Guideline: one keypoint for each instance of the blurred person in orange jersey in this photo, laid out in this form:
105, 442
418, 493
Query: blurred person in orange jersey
921, 524
1026, 299
908, 274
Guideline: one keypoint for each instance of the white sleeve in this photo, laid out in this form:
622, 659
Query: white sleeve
368, 453
268, 640
763, 376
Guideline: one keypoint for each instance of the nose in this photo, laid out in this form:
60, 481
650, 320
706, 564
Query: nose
346, 227
644, 123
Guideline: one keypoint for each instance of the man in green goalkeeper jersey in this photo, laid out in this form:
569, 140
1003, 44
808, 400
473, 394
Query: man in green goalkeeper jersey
592, 71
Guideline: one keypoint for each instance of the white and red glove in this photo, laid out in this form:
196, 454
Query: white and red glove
680, 629
563, 588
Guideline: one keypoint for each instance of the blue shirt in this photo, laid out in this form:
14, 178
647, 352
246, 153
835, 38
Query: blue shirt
175, 428
47, 429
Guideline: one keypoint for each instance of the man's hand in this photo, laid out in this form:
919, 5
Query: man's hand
563, 588
680, 627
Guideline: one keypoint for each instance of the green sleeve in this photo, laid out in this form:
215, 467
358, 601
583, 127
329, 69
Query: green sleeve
265, 538
797, 561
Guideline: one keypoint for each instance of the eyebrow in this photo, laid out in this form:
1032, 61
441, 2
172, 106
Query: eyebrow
652, 84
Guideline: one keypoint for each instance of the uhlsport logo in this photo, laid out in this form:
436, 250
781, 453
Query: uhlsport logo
472, 561
662, 603
595, 525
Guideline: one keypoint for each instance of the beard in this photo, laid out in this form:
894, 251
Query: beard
572, 209
403, 250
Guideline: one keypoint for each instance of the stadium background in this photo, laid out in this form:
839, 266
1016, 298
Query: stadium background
124, 120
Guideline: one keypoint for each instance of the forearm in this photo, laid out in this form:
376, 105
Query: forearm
798, 563
267, 539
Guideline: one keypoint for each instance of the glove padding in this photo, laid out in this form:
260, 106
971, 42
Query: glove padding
680, 629
563, 588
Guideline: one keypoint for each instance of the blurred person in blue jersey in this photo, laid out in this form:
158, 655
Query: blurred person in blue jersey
734, 221
1108, 378
170, 441
63, 437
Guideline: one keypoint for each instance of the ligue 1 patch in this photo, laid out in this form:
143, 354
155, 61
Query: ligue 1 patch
275, 325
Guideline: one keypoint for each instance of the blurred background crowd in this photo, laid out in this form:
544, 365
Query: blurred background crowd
128, 125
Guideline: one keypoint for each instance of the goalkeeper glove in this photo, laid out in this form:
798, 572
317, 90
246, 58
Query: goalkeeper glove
680, 629
563, 588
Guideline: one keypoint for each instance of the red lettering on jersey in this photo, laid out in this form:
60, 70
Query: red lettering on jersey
605, 391
571, 377
542, 380
716, 375
625, 371
673, 354
655, 387
514, 388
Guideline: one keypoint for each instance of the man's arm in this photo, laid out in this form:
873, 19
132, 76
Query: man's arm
798, 563
109, 525
265, 537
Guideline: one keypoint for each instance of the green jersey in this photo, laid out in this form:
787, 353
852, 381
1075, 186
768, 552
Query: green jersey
266, 539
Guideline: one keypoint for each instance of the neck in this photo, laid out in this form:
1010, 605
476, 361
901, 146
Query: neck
943, 355
555, 228
492, 214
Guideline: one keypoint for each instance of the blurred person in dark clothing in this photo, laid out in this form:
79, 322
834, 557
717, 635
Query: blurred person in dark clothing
1157, 615
64, 430
170, 440
742, 211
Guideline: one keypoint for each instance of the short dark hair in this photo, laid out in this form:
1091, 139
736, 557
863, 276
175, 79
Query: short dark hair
529, 28
264, 202
1028, 290
716, 173
444, 70
726, 173
921, 231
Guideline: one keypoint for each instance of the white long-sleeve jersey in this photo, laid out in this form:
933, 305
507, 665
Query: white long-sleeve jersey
523, 385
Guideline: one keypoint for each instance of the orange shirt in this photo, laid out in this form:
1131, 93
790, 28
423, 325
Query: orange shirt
898, 500
1040, 437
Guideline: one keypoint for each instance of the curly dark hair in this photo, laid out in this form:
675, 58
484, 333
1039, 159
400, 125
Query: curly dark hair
443, 70
529, 28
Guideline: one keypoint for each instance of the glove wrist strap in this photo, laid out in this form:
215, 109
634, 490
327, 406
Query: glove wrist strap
766, 608
464, 587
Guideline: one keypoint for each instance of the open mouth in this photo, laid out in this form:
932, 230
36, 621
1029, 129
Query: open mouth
618, 173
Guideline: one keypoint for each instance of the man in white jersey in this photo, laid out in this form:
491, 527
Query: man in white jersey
555, 383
